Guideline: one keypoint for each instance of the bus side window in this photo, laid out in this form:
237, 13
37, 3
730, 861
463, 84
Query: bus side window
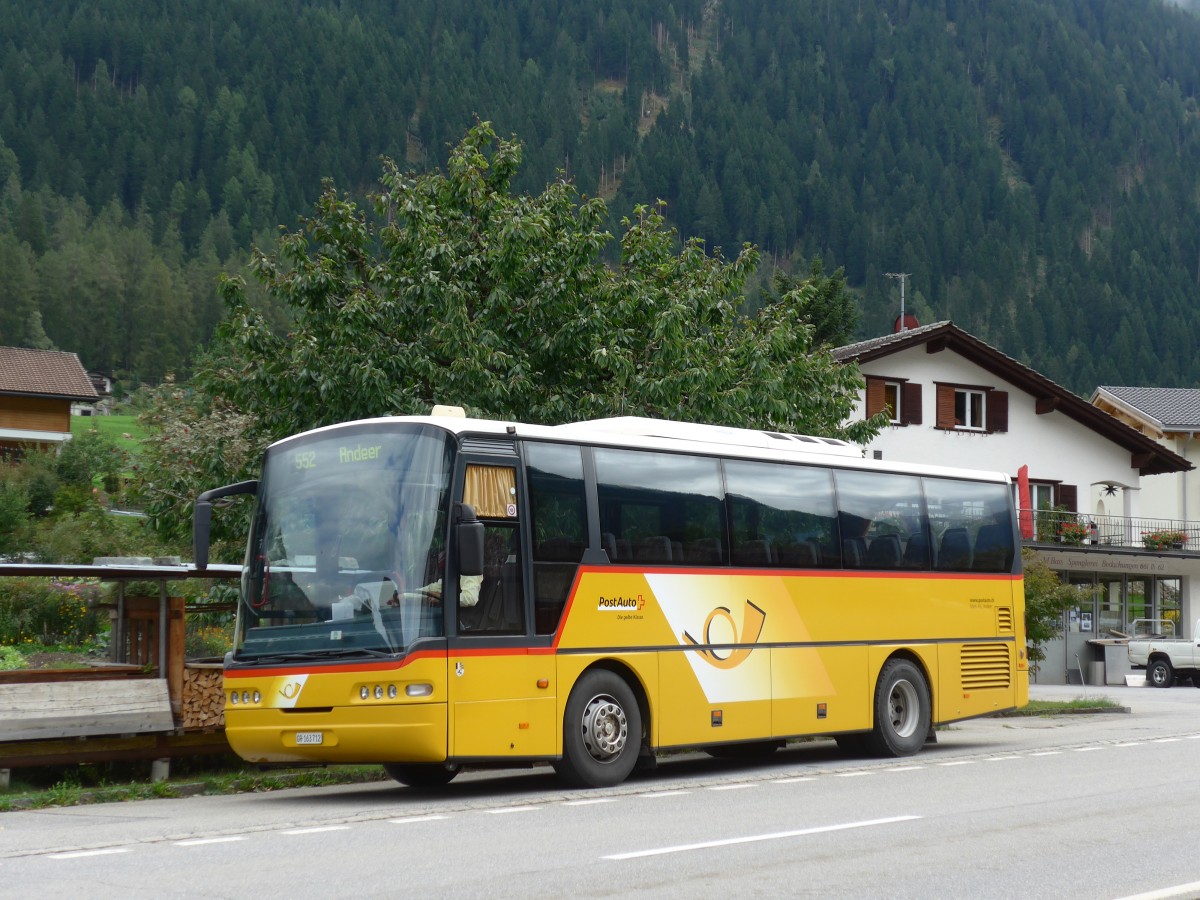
882, 520
558, 509
781, 515
660, 509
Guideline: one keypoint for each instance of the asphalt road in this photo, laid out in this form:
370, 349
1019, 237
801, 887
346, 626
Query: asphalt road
1070, 806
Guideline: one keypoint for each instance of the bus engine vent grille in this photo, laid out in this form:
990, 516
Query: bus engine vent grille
985, 666
1004, 620
488, 445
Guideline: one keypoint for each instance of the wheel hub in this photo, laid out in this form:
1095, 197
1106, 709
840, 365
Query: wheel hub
605, 730
905, 708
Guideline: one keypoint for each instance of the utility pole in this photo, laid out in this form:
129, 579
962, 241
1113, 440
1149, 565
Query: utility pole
903, 276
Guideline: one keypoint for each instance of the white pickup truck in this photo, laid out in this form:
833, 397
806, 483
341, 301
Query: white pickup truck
1167, 659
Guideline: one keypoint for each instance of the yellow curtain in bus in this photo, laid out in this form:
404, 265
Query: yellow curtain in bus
491, 490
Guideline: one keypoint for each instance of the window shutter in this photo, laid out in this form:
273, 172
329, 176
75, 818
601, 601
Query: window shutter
997, 411
1067, 495
945, 406
910, 404
875, 396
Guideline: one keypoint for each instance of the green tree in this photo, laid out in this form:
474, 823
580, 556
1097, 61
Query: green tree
1046, 599
193, 444
457, 291
828, 305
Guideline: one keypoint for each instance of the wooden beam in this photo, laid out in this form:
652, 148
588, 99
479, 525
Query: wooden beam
937, 345
109, 672
1140, 460
48, 710
1046, 405
14, 754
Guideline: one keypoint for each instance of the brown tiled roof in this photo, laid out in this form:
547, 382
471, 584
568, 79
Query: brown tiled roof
1148, 456
44, 373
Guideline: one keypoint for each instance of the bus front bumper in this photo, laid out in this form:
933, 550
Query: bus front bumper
412, 733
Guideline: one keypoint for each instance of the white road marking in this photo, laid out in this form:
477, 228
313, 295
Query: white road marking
504, 810
198, 842
852, 774
316, 829
797, 780
903, 768
1085, 749
1047, 753
656, 794
77, 854
732, 787
999, 758
958, 762
408, 820
1167, 740
749, 839
1179, 890
590, 802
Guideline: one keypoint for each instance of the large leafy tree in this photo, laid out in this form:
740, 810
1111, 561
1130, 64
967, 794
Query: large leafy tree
455, 290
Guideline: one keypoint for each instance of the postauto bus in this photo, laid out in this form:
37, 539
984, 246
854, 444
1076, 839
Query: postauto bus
436, 592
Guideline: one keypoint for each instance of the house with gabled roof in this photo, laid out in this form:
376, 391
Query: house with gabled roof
37, 388
1170, 416
1092, 482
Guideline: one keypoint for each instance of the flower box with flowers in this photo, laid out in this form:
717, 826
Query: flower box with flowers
1073, 532
1164, 539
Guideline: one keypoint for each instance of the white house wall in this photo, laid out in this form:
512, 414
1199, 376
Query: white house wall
1056, 448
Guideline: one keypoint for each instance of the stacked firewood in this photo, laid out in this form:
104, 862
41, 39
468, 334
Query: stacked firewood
203, 704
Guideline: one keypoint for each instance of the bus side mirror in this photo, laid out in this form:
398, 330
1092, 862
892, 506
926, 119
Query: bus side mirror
202, 516
470, 542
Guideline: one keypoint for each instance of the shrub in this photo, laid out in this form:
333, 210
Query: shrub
202, 641
14, 517
44, 611
11, 658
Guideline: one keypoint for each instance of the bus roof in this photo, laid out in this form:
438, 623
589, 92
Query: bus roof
663, 434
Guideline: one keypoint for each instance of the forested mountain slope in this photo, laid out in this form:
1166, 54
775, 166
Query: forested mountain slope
1032, 163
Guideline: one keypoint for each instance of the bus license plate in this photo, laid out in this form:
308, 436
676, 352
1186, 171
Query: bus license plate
310, 737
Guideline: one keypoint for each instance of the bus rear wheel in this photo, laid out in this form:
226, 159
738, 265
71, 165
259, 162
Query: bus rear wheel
902, 710
422, 775
602, 731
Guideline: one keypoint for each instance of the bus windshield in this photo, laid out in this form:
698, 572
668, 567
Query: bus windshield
347, 545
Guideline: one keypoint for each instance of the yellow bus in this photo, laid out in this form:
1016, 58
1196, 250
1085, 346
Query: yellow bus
436, 592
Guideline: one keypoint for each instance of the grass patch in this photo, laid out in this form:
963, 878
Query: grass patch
114, 783
124, 431
1076, 704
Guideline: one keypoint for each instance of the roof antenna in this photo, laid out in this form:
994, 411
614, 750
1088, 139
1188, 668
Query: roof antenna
903, 326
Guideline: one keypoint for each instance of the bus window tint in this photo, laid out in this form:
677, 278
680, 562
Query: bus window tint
660, 508
781, 515
971, 524
554, 473
882, 521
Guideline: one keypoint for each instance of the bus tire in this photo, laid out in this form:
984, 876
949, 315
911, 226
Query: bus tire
423, 775
902, 710
602, 731
1159, 674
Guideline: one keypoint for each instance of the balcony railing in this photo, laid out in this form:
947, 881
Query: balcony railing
1138, 533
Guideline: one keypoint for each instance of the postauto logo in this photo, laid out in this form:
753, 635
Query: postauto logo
621, 604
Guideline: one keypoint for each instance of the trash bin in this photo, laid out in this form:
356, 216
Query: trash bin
1095, 672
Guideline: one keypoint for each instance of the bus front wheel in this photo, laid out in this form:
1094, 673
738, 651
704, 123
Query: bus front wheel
422, 775
602, 731
902, 710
